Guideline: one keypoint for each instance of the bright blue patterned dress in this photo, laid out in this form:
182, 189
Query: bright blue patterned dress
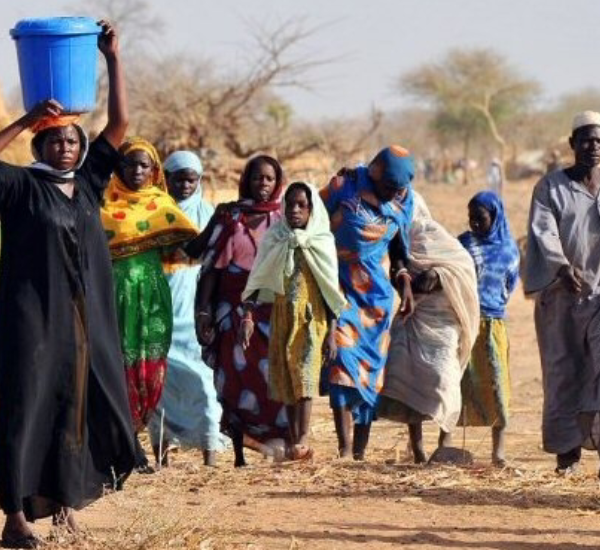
363, 227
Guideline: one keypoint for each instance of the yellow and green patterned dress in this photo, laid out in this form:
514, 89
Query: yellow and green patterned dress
298, 330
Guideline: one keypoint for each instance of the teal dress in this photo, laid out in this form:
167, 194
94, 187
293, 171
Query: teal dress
188, 412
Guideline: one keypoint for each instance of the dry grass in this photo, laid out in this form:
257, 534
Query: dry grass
168, 510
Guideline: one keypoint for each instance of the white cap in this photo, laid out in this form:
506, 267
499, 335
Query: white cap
586, 118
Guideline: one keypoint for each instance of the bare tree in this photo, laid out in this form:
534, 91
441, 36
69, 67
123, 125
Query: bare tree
138, 26
344, 141
238, 114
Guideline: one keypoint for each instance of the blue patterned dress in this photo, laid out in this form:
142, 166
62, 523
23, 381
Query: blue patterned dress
363, 227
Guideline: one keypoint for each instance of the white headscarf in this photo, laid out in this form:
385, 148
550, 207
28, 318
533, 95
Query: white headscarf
275, 257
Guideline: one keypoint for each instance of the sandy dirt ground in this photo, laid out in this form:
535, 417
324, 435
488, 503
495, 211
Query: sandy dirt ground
384, 502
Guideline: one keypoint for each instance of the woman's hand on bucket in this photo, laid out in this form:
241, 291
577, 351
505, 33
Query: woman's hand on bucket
108, 42
46, 108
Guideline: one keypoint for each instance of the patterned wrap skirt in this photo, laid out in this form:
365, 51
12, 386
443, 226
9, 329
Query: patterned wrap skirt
145, 315
485, 384
299, 328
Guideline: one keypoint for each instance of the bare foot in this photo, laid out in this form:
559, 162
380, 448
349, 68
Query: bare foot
240, 463
164, 459
345, 452
419, 456
301, 452
499, 461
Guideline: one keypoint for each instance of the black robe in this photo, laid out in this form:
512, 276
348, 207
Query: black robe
65, 426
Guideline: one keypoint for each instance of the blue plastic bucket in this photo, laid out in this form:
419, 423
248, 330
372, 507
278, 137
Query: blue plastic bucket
58, 59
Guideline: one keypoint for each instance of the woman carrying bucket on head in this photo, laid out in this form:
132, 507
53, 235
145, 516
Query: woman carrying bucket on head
62, 387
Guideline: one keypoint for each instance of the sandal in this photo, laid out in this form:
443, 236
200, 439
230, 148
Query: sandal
567, 470
145, 469
24, 541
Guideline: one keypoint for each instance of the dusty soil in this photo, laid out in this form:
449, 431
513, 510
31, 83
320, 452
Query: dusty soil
384, 502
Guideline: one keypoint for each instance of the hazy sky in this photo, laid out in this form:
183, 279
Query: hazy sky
553, 41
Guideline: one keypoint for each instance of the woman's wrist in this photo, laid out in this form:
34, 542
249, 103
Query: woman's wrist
402, 272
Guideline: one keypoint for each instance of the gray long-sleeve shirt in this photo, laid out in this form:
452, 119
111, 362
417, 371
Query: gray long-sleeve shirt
564, 228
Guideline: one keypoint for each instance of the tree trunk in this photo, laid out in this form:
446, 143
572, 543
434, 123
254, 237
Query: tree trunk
485, 111
466, 153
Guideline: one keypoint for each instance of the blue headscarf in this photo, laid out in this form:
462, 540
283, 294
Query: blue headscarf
399, 169
496, 257
499, 231
399, 165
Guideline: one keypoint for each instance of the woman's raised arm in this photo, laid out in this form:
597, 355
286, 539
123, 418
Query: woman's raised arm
118, 111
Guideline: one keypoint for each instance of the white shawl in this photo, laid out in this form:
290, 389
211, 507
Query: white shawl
275, 257
429, 353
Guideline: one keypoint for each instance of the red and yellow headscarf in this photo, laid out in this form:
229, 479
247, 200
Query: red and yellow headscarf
136, 221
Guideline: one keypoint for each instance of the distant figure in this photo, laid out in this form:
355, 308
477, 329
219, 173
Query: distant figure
562, 268
429, 170
495, 179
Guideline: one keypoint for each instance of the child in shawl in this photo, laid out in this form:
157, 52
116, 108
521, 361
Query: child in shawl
486, 382
140, 219
297, 262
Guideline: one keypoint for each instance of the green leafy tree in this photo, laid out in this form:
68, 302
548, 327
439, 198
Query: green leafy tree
473, 92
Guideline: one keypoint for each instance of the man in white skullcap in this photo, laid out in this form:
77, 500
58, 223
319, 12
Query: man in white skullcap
563, 270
